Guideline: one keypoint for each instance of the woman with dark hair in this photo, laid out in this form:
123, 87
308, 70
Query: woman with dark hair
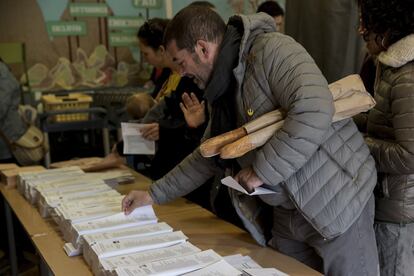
169, 122
387, 27
150, 37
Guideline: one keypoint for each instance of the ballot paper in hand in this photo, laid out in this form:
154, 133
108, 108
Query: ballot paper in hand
134, 143
232, 183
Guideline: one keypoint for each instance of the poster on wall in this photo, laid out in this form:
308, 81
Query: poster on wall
128, 23
65, 28
147, 4
88, 9
122, 39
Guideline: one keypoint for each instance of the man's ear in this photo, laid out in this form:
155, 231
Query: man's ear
202, 49
161, 49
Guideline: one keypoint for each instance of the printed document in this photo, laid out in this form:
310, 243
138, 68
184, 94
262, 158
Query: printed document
221, 268
110, 248
232, 183
134, 143
148, 256
173, 266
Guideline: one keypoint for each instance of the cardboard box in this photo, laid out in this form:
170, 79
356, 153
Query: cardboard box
8, 166
9, 177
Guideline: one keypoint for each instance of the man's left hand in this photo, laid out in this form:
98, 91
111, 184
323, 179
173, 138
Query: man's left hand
248, 178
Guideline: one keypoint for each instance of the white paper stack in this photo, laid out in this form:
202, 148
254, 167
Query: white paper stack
220, 268
173, 266
241, 262
52, 198
87, 241
111, 248
107, 266
47, 208
77, 215
136, 231
23, 177
62, 184
140, 216
29, 182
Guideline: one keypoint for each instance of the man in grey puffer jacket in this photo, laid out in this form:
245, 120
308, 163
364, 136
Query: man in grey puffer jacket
322, 171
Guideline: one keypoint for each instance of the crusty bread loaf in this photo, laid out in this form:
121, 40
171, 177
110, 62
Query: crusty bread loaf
212, 146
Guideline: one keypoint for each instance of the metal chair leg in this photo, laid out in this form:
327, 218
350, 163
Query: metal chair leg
105, 137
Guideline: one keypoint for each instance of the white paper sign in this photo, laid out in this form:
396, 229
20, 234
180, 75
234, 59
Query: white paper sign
230, 182
134, 143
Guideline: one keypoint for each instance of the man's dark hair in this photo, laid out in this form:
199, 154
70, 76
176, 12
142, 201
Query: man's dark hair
272, 8
152, 32
205, 4
392, 17
194, 23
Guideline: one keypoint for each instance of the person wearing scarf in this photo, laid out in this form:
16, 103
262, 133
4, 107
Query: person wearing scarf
322, 172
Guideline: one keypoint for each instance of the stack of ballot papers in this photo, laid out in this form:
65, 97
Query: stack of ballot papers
49, 207
174, 266
88, 212
110, 248
108, 266
27, 181
140, 216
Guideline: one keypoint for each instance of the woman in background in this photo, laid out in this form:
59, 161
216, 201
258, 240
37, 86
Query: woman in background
387, 27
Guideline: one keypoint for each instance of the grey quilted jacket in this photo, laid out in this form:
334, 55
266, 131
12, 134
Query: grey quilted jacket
391, 132
325, 169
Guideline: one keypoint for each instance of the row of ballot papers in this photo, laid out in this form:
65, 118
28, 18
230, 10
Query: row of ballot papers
88, 212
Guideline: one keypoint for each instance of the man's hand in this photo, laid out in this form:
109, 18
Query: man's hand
194, 111
134, 200
151, 131
248, 179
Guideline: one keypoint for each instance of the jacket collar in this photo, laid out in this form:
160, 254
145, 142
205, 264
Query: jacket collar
399, 53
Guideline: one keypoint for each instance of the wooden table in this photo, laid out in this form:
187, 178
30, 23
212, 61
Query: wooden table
203, 228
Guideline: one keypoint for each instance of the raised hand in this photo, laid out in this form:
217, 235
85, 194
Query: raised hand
194, 111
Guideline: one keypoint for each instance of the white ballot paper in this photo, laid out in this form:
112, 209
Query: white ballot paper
134, 143
135, 231
90, 213
230, 182
221, 268
139, 258
173, 266
264, 272
241, 262
140, 216
110, 248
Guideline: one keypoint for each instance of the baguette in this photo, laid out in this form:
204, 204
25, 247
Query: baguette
249, 142
212, 146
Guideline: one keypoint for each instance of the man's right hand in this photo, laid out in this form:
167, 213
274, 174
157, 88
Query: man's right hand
135, 199
194, 111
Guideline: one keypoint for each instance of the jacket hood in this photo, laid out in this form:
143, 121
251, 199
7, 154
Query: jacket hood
252, 26
399, 53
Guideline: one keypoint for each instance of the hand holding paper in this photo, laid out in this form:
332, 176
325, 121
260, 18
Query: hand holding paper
248, 179
135, 199
230, 182
134, 139
150, 131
